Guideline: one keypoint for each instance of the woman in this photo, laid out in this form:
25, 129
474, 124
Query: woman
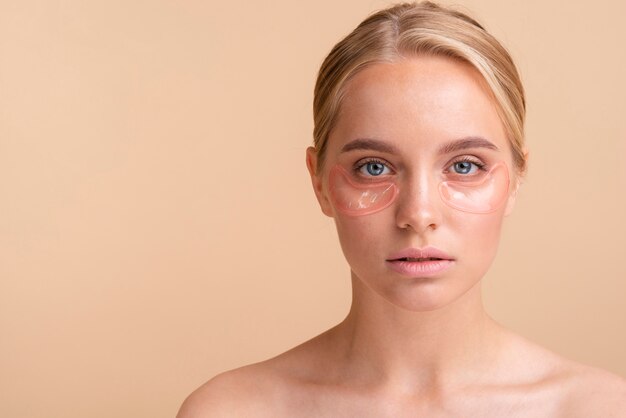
418, 157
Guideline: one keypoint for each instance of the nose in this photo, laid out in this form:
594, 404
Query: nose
419, 206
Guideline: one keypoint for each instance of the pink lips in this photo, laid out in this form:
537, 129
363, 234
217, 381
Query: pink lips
405, 262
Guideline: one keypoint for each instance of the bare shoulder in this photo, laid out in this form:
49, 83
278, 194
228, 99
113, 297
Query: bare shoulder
594, 392
219, 397
263, 389
243, 392
572, 389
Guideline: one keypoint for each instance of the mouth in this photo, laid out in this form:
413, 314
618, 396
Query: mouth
417, 259
420, 262
420, 255
416, 267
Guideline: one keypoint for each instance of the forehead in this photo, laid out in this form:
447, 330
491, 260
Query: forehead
418, 101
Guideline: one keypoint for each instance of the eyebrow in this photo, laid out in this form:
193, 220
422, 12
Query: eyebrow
465, 143
369, 144
452, 146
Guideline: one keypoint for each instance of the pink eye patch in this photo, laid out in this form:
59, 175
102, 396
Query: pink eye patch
354, 197
484, 192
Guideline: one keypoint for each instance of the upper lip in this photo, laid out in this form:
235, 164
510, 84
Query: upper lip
426, 252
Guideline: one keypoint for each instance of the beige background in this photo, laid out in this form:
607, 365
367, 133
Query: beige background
157, 224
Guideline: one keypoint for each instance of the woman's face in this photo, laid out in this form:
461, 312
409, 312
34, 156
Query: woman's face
407, 111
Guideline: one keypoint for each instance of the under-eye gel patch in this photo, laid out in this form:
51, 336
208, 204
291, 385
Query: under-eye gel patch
356, 197
483, 195
483, 192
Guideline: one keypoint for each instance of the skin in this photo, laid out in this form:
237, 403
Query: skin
414, 346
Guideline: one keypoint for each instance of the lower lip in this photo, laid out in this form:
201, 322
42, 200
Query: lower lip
420, 268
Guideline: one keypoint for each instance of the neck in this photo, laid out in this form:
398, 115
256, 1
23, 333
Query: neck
412, 351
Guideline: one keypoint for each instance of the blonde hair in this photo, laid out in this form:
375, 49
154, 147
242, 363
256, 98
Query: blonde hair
420, 28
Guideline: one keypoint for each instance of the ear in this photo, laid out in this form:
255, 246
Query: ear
316, 181
510, 204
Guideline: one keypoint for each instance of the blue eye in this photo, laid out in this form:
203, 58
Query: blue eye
373, 168
465, 166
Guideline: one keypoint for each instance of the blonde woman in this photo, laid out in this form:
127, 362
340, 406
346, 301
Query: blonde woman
418, 156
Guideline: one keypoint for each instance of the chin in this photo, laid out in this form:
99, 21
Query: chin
425, 295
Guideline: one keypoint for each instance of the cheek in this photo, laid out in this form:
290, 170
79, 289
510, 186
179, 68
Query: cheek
363, 235
478, 237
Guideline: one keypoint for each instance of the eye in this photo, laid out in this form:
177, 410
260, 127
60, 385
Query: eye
371, 168
467, 166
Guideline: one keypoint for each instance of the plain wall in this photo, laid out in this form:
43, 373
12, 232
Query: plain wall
157, 223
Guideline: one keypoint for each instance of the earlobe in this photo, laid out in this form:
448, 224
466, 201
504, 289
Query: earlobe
518, 182
316, 181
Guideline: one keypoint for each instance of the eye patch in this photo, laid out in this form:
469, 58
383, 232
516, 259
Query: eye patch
484, 192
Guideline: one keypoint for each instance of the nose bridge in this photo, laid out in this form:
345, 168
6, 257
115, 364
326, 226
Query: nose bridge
419, 204
421, 186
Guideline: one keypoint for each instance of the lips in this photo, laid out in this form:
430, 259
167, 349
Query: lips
420, 262
416, 269
418, 259
420, 254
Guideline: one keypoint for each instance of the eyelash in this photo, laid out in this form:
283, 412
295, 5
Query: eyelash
465, 159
